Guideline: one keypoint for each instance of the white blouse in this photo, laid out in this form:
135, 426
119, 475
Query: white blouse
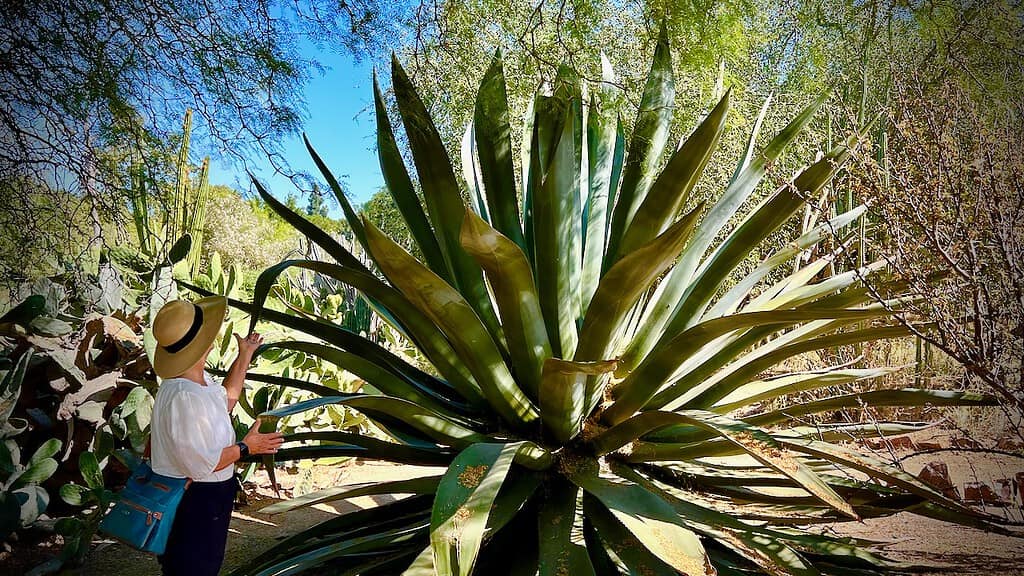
190, 428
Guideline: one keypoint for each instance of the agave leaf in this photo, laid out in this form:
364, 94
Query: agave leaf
364, 447
308, 229
641, 385
420, 328
782, 385
339, 193
627, 553
511, 279
456, 318
559, 532
748, 152
282, 381
471, 173
338, 528
878, 469
563, 394
424, 485
423, 565
605, 146
731, 299
753, 440
763, 547
624, 283
679, 279
650, 133
671, 190
355, 547
441, 192
764, 220
903, 397
388, 382
651, 520
384, 408
494, 145
736, 378
463, 503
400, 186
556, 234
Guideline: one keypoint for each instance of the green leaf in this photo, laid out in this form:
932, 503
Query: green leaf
511, 280
386, 409
391, 384
424, 485
400, 186
556, 234
420, 328
339, 193
350, 444
714, 391
671, 190
605, 145
663, 308
642, 384
74, 494
441, 192
762, 546
621, 548
26, 311
36, 472
649, 518
622, 286
463, 504
753, 440
494, 146
90, 469
49, 449
757, 226
456, 318
874, 398
10, 386
563, 394
650, 134
876, 468
560, 532
180, 250
308, 229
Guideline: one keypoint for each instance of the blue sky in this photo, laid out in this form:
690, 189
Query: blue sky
341, 126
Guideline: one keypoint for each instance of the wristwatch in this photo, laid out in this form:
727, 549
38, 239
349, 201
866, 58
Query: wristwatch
243, 448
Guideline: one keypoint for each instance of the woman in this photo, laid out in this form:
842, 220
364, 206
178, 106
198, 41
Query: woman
191, 434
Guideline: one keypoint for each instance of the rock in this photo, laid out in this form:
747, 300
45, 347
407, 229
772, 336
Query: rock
1020, 487
901, 443
929, 446
1005, 487
965, 443
1009, 443
982, 493
936, 475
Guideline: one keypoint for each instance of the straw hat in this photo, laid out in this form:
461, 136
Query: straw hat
184, 331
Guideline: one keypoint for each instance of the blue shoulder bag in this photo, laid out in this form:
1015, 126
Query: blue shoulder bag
144, 513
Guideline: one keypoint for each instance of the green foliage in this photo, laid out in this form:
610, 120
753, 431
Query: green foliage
22, 500
624, 419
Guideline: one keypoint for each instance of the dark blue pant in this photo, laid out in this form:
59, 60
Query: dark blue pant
200, 531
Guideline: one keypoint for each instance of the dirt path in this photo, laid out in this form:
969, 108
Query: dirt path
916, 539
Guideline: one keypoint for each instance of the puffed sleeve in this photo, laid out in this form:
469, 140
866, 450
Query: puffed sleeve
192, 436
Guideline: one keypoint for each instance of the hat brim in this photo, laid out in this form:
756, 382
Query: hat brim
170, 364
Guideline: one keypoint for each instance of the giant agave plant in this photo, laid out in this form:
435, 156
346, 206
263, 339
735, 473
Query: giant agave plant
597, 360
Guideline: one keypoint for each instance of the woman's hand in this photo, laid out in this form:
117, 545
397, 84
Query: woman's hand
260, 443
247, 346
